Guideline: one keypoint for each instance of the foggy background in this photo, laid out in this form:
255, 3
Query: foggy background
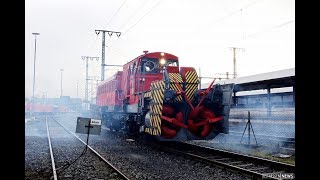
198, 32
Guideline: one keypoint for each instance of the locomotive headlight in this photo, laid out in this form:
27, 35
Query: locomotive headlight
162, 61
162, 54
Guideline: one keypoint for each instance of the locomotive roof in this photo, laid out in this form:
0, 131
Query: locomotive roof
151, 54
110, 78
167, 55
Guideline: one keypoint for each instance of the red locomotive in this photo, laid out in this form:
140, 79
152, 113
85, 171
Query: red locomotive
153, 95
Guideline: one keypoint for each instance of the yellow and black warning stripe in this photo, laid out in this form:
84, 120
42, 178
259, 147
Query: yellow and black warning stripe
175, 77
191, 77
147, 94
147, 130
192, 83
158, 99
156, 105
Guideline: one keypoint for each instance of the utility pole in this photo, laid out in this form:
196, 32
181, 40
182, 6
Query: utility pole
86, 89
34, 67
43, 97
77, 88
234, 49
218, 77
103, 47
93, 78
91, 98
61, 82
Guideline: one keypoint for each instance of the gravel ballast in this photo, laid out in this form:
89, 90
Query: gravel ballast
136, 159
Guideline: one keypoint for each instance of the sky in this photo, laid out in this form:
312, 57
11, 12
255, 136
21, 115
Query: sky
199, 32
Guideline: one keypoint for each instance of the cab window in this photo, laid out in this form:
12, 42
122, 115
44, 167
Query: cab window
150, 65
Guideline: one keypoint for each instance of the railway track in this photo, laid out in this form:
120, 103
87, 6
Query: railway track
54, 169
253, 167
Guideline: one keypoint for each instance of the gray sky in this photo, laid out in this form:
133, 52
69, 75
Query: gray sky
199, 32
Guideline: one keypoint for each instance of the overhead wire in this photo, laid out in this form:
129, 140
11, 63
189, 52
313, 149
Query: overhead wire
269, 29
242, 21
90, 45
142, 17
132, 15
244, 7
109, 23
122, 24
116, 13
218, 20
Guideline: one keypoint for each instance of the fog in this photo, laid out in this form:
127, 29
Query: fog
269, 133
200, 34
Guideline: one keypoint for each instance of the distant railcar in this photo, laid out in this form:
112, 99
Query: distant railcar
44, 108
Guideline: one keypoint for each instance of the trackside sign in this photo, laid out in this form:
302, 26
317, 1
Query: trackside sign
88, 125
96, 122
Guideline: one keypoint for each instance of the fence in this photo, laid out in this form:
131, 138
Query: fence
274, 129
